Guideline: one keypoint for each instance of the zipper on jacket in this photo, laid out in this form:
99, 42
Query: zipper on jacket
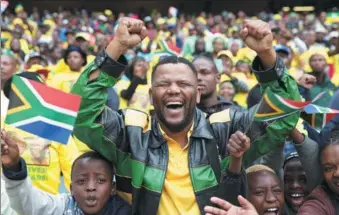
189, 161
163, 182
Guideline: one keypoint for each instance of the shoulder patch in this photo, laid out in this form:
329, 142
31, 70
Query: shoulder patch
136, 118
220, 117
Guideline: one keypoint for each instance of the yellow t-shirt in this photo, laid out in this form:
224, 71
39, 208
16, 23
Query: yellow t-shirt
64, 81
241, 98
45, 159
335, 61
178, 195
140, 99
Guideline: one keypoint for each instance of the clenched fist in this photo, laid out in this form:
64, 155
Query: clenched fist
238, 144
257, 35
130, 32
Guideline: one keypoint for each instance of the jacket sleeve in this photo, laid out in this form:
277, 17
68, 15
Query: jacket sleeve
241, 86
28, 200
311, 207
264, 137
308, 152
235, 185
5, 204
97, 125
273, 159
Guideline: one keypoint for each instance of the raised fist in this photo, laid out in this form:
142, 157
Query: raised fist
257, 35
238, 144
130, 32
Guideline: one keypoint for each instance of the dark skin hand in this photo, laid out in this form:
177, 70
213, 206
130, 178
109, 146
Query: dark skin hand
129, 34
237, 145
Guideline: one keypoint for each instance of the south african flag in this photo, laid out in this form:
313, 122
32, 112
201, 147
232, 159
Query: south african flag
165, 49
42, 110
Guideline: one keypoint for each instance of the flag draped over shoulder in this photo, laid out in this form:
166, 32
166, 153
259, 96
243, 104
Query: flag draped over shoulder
42, 110
273, 106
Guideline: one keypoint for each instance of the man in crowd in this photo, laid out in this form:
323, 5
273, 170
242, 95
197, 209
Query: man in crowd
179, 147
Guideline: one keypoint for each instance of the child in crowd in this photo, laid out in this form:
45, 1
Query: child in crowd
265, 190
91, 187
265, 195
295, 183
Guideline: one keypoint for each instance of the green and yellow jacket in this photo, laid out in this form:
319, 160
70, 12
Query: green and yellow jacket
133, 142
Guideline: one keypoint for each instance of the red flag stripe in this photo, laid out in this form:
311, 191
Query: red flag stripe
57, 97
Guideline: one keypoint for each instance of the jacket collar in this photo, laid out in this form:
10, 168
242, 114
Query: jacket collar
201, 129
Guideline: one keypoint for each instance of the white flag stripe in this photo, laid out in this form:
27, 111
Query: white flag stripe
48, 105
285, 103
43, 119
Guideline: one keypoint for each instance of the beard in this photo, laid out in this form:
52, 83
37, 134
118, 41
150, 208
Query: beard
179, 126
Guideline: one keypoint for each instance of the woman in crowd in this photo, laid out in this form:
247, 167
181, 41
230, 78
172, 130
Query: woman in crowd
133, 87
324, 200
75, 58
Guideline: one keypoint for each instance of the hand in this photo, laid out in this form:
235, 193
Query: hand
238, 144
257, 35
227, 208
307, 81
129, 33
10, 156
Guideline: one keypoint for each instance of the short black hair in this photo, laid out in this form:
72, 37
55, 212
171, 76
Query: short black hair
95, 156
77, 49
207, 56
173, 60
331, 139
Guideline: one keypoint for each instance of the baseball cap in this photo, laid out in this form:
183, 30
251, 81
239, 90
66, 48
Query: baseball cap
290, 156
33, 55
83, 35
283, 49
226, 53
333, 34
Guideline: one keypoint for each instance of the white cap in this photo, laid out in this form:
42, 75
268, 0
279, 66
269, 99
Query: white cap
102, 18
333, 34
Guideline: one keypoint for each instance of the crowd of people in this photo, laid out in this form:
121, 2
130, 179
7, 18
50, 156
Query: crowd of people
166, 124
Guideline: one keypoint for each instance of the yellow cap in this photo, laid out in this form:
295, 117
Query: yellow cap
18, 21
108, 12
49, 22
226, 53
161, 21
201, 20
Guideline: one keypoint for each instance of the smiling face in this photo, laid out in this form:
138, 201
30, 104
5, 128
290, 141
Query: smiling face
295, 184
91, 184
174, 95
227, 90
265, 193
330, 164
